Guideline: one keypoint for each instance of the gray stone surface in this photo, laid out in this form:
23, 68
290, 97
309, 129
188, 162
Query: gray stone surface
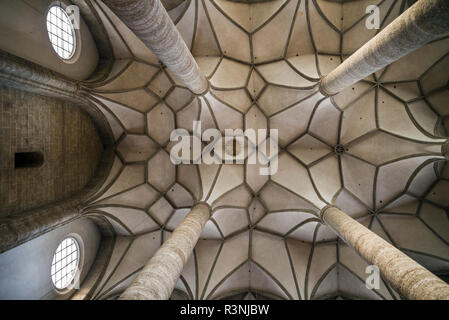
151, 23
421, 23
264, 236
33, 123
34, 106
158, 278
408, 277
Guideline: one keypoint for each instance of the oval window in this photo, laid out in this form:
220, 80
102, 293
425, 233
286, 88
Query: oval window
64, 266
61, 32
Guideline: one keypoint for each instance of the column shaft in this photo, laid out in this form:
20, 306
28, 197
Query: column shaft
151, 23
426, 20
409, 278
158, 278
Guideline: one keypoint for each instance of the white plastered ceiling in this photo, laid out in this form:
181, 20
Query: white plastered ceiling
264, 238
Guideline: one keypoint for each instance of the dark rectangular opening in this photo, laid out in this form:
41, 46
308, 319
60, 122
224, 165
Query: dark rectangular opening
28, 160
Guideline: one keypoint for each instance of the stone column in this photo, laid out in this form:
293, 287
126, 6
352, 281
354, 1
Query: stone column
151, 23
158, 277
424, 21
409, 278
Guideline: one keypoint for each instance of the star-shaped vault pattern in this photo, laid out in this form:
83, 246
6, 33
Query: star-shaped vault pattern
373, 150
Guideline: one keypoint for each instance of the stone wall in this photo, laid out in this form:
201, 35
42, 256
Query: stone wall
65, 135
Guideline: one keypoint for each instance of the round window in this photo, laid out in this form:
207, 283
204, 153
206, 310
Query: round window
61, 32
65, 263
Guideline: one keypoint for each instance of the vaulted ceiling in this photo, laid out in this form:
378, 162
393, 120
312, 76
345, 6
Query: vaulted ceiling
372, 150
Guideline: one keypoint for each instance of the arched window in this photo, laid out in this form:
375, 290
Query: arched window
28, 160
61, 32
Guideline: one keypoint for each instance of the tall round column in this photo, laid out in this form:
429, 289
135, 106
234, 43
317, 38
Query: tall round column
151, 23
409, 278
158, 277
426, 20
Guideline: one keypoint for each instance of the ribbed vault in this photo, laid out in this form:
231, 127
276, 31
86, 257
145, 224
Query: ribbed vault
373, 150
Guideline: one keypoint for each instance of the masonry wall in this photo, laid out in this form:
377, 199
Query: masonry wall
25, 271
66, 136
23, 32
